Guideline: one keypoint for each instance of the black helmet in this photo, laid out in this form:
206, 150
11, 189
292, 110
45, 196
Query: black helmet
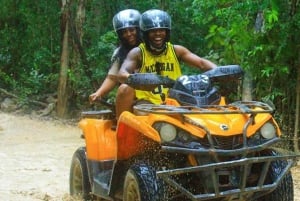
125, 19
155, 19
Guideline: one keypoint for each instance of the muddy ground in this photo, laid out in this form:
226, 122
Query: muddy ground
36, 155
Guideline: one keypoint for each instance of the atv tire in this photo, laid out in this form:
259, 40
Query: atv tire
285, 189
79, 181
142, 184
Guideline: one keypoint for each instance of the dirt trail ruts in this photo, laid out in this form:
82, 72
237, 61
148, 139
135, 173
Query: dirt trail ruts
36, 155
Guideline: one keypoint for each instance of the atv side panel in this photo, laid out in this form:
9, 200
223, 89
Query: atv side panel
100, 139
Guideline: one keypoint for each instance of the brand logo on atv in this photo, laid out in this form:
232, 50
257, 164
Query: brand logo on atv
224, 127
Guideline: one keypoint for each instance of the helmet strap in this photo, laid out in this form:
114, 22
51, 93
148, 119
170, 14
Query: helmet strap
156, 50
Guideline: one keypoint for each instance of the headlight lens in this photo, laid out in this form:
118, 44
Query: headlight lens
167, 132
185, 137
268, 131
172, 135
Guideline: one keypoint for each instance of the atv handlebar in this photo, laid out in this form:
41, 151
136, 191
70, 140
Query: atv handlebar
103, 113
225, 73
104, 102
149, 81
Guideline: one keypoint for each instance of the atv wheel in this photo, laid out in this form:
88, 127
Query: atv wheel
79, 181
141, 184
285, 189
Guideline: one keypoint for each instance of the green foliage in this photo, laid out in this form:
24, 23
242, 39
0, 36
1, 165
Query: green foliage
29, 45
235, 36
100, 54
6, 80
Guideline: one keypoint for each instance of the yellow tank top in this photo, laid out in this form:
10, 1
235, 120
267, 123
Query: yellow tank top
165, 64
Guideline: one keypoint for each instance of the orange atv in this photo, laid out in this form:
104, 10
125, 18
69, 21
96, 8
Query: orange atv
193, 147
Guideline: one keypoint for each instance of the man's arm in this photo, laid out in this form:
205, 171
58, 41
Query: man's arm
192, 59
130, 65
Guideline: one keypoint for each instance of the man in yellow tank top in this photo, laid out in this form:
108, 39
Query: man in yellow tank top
165, 64
155, 55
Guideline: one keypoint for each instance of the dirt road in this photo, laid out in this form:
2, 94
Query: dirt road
35, 159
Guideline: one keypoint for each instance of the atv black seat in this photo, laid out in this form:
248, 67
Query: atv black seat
100, 114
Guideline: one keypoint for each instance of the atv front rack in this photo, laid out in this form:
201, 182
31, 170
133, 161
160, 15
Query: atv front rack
238, 107
238, 193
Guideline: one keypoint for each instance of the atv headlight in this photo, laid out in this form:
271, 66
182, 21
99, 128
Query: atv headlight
185, 137
167, 132
268, 131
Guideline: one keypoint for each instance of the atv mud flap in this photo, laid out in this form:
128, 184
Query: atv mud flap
234, 193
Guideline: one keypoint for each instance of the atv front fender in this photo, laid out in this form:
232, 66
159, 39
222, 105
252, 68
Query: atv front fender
99, 138
133, 133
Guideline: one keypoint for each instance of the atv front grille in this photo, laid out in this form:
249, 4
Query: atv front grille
226, 143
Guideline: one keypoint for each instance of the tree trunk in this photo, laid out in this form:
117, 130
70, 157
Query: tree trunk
62, 92
293, 9
72, 54
80, 18
76, 25
297, 115
247, 88
76, 30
